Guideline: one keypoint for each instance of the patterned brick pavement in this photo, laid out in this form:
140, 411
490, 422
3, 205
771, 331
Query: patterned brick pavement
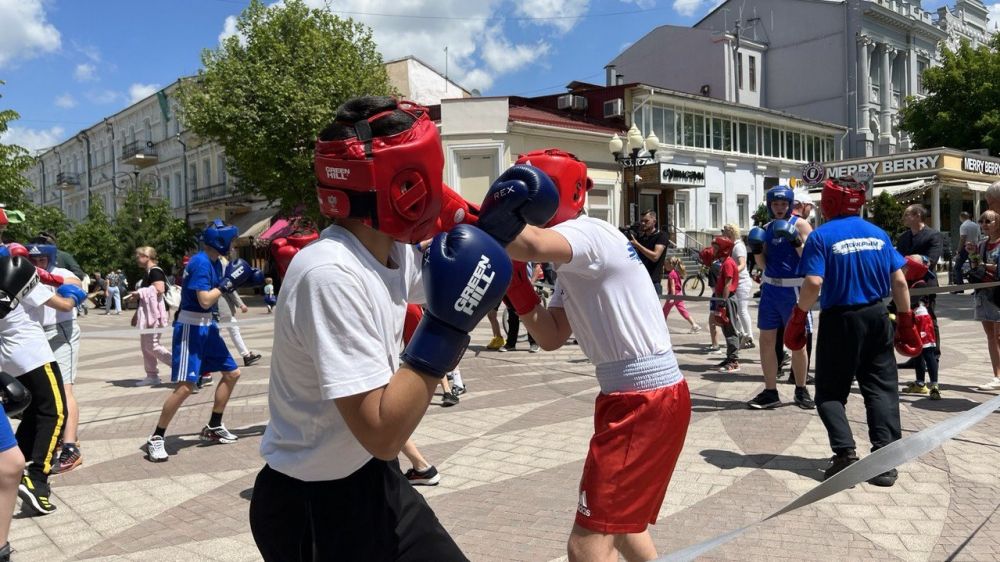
511, 454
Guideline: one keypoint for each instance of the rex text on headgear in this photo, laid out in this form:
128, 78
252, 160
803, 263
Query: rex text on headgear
380, 162
569, 175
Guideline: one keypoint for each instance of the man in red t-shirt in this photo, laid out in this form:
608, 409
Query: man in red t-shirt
725, 288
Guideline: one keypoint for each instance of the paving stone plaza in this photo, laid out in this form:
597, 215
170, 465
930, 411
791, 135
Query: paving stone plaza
511, 454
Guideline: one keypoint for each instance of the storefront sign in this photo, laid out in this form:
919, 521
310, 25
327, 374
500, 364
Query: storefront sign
813, 173
679, 174
988, 167
890, 166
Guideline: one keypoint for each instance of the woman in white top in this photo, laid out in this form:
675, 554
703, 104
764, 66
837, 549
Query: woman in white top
744, 290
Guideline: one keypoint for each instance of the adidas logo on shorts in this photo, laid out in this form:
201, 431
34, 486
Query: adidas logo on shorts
582, 506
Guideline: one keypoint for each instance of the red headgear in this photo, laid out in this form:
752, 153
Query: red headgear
916, 270
842, 197
707, 256
392, 183
725, 246
570, 176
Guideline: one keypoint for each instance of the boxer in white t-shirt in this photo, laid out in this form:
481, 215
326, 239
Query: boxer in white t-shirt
603, 297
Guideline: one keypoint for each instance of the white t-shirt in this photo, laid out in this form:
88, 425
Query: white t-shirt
605, 290
740, 250
23, 345
46, 315
338, 333
970, 230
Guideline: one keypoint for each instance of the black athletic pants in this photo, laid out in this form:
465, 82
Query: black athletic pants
372, 515
856, 342
514, 329
42, 421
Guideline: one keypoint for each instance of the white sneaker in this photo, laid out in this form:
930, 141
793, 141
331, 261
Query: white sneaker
695, 329
149, 381
992, 385
155, 450
218, 434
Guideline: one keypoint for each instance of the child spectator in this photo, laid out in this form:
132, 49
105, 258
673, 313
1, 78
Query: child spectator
675, 272
269, 297
727, 311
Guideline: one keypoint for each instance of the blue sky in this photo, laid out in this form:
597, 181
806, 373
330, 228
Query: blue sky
67, 64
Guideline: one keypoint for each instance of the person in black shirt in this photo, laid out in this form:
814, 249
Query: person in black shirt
652, 247
150, 298
928, 243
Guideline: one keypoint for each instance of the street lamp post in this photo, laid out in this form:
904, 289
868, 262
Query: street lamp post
626, 153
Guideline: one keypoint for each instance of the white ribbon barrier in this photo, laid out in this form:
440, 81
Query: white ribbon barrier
130, 333
886, 458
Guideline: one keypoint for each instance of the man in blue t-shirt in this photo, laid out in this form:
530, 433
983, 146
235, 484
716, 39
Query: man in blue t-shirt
857, 267
198, 346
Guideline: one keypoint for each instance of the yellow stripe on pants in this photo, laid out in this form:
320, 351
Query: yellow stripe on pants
60, 417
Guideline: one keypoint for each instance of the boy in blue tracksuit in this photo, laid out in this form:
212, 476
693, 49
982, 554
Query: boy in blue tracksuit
198, 346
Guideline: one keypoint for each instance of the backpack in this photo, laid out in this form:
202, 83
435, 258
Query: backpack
172, 296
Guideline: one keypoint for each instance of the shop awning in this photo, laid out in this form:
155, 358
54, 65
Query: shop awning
904, 187
977, 186
253, 223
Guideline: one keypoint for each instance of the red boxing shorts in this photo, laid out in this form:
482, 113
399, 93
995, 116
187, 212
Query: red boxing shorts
637, 439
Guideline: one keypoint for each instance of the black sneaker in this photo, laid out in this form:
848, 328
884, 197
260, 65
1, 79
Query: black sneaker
840, 461
449, 399
766, 400
5, 553
802, 398
427, 477
250, 358
33, 499
886, 479
69, 458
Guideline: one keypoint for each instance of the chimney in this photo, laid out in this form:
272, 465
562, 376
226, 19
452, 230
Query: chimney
609, 75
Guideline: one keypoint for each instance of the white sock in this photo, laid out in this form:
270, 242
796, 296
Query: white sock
457, 378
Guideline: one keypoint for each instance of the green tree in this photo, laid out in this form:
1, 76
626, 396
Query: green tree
886, 212
962, 107
147, 221
93, 241
267, 91
14, 161
760, 216
37, 219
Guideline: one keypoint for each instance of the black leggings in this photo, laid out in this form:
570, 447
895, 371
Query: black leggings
373, 514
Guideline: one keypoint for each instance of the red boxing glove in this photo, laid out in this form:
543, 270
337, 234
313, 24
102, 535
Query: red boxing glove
907, 338
721, 316
283, 257
301, 239
795, 330
455, 210
50, 279
521, 292
17, 250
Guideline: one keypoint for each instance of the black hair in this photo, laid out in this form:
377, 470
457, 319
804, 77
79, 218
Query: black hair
41, 240
361, 108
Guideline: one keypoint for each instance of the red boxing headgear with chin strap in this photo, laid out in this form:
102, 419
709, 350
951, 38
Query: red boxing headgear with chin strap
842, 197
570, 176
391, 183
707, 256
725, 246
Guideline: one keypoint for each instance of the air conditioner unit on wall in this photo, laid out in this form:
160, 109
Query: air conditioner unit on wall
579, 103
564, 102
614, 108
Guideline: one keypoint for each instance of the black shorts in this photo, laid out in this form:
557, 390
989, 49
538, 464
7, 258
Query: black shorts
373, 514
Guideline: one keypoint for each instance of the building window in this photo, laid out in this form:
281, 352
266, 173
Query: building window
751, 147
165, 188
753, 73
178, 186
921, 67
599, 203
739, 70
743, 211
715, 209
206, 172
681, 208
717, 133
221, 165
688, 139
193, 176
776, 143
699, 131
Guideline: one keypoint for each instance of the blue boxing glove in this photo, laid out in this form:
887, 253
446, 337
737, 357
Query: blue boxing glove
787, 230
238, 273
521, 195
465, 274
76, 294
756, 239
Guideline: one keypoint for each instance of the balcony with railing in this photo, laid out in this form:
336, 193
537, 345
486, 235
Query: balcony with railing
211, 193
139, 153
67, 180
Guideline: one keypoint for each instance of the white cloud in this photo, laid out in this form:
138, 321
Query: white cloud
229, 29
32, 139
994, 15
102, 96
687, 7
89, 51
26, 34
65, 101
473, 33
138, 91
85, 72
565, 10
644, 4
